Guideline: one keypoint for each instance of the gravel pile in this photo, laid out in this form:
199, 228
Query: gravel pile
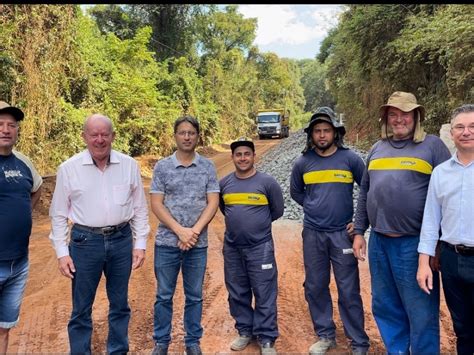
279, 161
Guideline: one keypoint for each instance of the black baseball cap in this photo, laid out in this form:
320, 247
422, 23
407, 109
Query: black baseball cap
14, 111
242, 141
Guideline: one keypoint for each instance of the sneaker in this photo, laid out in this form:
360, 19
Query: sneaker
240, 342
321, 346
267, 348
193, 350
160, 349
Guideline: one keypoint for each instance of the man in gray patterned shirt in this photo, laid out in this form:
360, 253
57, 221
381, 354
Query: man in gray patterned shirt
184, 197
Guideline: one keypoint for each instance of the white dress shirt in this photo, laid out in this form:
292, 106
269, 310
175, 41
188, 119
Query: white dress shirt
86, 195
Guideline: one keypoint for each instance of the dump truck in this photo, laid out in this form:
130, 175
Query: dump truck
273, 123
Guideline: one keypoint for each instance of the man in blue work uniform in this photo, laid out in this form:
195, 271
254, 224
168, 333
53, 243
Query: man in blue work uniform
392, 197
250, 201
322, 182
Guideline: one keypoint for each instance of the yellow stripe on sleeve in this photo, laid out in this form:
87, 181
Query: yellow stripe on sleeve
245, 198
325, 176
401, 163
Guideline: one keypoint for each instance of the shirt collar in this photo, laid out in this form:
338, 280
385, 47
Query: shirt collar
455, 160
87, 158
176, 162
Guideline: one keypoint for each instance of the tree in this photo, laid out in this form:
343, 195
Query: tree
116, 19
378, 49
173, 27
223, 31
314, 83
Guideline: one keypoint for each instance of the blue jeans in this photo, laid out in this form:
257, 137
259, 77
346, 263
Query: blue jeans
457, 273
168, 262
13, 276
407, 318
94, 254
252, 273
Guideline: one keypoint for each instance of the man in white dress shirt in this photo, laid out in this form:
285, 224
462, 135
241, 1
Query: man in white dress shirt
450, 208
101, 192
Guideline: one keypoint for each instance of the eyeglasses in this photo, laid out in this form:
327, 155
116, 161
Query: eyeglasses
184, 133
459, 129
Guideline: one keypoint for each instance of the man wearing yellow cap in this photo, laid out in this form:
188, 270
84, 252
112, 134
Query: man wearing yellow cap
392, 198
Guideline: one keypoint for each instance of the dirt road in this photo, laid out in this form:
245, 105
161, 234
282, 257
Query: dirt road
47, 303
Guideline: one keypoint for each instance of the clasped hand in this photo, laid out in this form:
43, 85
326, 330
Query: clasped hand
187, 238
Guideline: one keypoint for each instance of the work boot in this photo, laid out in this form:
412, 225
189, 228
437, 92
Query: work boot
240, 342
160, 349
322, 346
193, 350
267, 348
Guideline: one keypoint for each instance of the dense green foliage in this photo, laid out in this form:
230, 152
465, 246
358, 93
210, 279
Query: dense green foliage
60, 65
377, 49
145, 65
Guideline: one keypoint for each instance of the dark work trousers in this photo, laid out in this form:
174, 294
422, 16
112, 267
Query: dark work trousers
253, 269
457, 273
320, 251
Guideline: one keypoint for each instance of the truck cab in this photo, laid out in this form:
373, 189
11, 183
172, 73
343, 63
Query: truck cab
271, 123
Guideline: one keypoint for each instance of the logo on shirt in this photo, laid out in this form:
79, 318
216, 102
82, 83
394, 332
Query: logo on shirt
11, 174
328, 176
401, 163
245, 198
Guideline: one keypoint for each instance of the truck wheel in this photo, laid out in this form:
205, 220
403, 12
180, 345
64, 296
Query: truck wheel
260, 136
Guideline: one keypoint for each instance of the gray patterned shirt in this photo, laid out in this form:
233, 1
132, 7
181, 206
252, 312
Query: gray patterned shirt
185, 190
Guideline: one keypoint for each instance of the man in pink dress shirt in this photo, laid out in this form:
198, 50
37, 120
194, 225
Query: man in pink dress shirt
101, 192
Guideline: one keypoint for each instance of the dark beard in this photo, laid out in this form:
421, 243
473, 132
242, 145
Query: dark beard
324, 148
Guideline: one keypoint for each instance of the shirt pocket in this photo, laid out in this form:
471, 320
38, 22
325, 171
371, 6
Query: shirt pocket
121, 194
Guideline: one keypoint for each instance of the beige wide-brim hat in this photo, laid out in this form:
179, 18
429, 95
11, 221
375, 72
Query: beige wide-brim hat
404, 101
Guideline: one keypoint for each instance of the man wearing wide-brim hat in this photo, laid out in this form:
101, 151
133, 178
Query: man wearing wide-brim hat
20, 190
391, 200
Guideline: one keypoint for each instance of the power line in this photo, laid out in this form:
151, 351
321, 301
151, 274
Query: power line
164, 45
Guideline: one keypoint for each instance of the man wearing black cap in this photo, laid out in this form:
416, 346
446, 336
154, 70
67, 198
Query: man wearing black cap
322, 182
20, 189
250, 201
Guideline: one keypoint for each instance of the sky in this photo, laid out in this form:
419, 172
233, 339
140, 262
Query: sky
292, 31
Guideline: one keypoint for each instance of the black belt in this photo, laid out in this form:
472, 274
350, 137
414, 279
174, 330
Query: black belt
108, 230
461, 249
